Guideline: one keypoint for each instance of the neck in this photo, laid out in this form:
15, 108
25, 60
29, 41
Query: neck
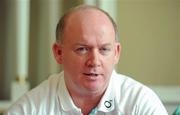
86, 102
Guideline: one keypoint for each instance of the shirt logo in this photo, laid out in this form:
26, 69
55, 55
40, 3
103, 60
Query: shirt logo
108, 104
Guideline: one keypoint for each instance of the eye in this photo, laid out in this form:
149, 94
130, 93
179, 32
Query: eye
105, 50
81, 50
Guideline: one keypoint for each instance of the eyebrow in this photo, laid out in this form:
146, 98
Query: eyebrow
82, 44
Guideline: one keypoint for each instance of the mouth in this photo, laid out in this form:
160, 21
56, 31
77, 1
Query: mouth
91, 74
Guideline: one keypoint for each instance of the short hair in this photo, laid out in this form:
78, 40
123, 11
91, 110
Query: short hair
61, 24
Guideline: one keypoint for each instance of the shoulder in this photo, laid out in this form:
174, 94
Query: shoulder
135, 96
47, 87
40, 97
127, 86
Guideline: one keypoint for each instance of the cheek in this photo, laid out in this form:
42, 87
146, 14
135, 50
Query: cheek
109, 63
110, 59
70, 61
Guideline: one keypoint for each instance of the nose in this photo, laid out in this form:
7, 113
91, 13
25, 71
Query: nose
93, 59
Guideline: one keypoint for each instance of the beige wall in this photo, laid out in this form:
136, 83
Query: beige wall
150, 37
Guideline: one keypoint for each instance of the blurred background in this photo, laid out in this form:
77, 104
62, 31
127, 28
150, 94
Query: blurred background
149, 34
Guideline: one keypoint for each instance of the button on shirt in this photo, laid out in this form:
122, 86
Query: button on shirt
124, 96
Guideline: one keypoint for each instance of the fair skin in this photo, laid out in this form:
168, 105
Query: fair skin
88, 54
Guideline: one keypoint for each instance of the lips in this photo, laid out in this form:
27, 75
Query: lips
91, 74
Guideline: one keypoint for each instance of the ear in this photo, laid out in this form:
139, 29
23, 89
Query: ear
117, 52
57, 51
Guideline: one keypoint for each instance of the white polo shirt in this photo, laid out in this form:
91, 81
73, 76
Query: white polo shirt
124, 96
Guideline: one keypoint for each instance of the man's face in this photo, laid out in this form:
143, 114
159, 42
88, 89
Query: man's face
88, 52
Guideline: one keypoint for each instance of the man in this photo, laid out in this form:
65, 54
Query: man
87, 47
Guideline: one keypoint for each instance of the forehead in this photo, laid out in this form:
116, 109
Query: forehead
88, 22
87, 16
